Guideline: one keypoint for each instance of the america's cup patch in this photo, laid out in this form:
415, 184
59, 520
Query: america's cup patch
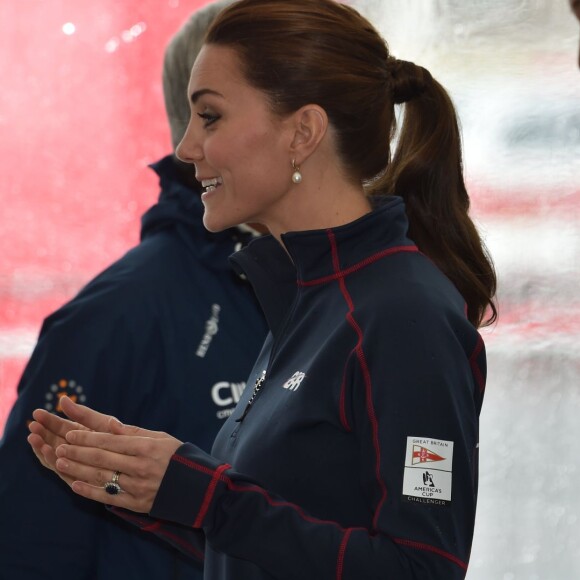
428, 470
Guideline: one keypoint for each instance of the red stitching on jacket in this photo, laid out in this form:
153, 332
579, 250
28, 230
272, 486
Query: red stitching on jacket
341, 552
158, 527
366, 376
433, 549
209, 495
198, 467
219, 476
181, 542
343, 420
241, 488
151, 527
475, 367
338, 273
342, 402
122, 513
276, 503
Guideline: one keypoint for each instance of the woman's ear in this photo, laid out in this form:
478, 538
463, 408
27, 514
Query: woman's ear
310, 127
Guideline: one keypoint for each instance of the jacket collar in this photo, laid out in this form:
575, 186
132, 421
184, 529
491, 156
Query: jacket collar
319, 256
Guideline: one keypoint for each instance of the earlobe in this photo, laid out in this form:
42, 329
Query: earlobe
311, 125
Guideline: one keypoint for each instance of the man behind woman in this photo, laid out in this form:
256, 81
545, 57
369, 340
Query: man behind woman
165, 336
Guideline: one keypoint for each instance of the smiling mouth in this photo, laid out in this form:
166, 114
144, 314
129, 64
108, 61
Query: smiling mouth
211, 184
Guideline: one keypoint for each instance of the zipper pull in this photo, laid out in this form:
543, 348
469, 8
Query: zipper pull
257, 386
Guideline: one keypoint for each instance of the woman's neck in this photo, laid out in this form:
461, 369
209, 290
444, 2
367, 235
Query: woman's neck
322, 200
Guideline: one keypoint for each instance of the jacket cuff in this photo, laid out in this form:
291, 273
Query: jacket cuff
192, 480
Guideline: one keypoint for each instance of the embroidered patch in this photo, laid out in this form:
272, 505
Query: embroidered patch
211, 329
428, 470
60, 389
226, 394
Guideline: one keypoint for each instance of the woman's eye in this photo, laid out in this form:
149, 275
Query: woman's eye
208, 119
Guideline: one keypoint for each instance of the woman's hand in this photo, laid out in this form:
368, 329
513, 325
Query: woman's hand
88, 450
47, 432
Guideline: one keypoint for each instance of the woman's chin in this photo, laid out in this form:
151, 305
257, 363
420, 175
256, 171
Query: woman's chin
214, 225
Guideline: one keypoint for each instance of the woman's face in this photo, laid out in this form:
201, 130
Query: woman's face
241, 150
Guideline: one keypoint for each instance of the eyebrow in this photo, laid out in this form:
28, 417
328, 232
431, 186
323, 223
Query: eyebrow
195, 96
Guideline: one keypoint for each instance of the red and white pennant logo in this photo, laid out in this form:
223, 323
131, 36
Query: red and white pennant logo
424, 455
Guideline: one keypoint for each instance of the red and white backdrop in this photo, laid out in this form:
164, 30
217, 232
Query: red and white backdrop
81, 115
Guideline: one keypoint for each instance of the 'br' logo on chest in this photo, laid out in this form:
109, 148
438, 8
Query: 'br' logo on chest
294, 381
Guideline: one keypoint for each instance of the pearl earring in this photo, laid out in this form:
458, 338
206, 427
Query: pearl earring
296, 176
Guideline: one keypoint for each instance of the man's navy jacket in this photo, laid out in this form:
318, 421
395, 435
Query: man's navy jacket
164, 338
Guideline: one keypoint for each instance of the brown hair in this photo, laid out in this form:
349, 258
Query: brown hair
323, 52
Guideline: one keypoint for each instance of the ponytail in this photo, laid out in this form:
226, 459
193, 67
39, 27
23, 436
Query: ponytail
427, 172
324, 52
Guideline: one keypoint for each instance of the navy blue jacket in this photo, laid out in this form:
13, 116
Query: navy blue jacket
163, 338
355, 456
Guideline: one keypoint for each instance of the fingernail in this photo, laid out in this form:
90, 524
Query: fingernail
62, 464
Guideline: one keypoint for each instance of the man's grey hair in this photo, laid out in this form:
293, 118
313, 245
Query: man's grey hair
180, 55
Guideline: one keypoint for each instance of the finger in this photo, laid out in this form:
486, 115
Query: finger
98, 476
92, 475
143, 460
47, 436
141, 476
43, 444
95, 457
46, 456
49, 456
122, 500
91, 483
86, 416
55, 424
123, 444
36, 442
118, 428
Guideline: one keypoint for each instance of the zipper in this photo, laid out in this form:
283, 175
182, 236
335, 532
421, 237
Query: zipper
257, 387
260, 380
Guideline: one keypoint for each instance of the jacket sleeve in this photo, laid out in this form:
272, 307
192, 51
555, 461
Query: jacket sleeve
46, 531
412, 407
188, 541
417, 425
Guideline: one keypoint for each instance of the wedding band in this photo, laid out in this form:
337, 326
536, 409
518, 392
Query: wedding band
112, 487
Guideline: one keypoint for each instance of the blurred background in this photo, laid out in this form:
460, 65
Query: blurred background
81, 116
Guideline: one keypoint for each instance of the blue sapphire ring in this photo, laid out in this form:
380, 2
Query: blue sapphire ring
112, 487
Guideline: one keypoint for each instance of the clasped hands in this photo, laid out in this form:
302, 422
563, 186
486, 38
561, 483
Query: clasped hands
88, 449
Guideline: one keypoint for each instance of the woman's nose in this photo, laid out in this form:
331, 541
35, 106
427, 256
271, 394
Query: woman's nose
189, 149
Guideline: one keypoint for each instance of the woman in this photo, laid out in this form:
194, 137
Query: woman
355, 453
